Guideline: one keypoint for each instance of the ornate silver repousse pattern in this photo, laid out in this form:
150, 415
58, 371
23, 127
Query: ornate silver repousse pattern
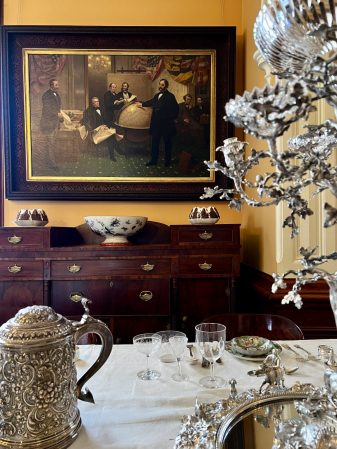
35, 323
202, 430
37, 392
37, 376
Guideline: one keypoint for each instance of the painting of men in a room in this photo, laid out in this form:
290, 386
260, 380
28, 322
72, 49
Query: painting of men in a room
117, 145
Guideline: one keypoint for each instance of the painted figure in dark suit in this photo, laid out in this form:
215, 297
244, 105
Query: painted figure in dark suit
93, 117
111, 103
51, 118
162, 126
187, 126
201, 115
123, 96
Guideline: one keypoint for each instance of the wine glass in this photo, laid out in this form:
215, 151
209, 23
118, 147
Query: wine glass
211, 339
178, 344
166, 354
147, 344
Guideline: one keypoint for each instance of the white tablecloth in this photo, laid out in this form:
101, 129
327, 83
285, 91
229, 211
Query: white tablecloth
132, 414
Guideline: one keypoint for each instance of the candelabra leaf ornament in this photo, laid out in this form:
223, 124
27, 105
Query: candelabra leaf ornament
298, 40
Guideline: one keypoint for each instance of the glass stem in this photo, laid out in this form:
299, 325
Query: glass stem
212, 371
179, 366
147, 362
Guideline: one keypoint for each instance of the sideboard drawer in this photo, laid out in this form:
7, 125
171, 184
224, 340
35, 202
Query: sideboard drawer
118, 297
226, 235
205, 265
17, 238
110, 267
21, 268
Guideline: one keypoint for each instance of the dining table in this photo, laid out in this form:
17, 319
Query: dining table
130, 413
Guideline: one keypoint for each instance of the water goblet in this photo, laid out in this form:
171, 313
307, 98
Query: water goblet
178, 344
211, 339
147, 344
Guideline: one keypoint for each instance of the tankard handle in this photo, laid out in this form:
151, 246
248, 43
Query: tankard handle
88, 324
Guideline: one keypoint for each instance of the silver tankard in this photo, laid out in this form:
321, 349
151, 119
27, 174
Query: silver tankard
38, 380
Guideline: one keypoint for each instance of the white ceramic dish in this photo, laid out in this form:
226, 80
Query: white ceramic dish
116, 229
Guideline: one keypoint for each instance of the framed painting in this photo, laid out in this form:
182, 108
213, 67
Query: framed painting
114, 113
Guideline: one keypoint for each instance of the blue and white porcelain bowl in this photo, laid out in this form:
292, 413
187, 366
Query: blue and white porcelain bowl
116, 229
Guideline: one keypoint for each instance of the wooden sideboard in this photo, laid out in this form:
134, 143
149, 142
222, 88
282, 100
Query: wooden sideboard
168, 277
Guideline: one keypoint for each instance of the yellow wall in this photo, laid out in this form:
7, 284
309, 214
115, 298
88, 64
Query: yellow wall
257, 224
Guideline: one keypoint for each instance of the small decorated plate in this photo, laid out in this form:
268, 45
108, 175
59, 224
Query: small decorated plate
251, 345
254, 358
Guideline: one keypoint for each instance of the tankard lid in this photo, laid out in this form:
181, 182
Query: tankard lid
33, 324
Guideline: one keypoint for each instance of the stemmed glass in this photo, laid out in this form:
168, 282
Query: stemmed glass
147, 344
178, 344
166, 354
211, 339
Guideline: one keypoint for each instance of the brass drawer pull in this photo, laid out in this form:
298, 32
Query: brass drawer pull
205, 266
73, 268
14, 240
145, 295
14, 269
147, 266
76, 296
206, 235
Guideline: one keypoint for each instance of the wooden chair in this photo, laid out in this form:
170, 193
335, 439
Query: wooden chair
273, 327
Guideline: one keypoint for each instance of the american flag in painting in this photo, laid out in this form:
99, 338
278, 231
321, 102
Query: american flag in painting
186, 68
152, 65
180, 67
